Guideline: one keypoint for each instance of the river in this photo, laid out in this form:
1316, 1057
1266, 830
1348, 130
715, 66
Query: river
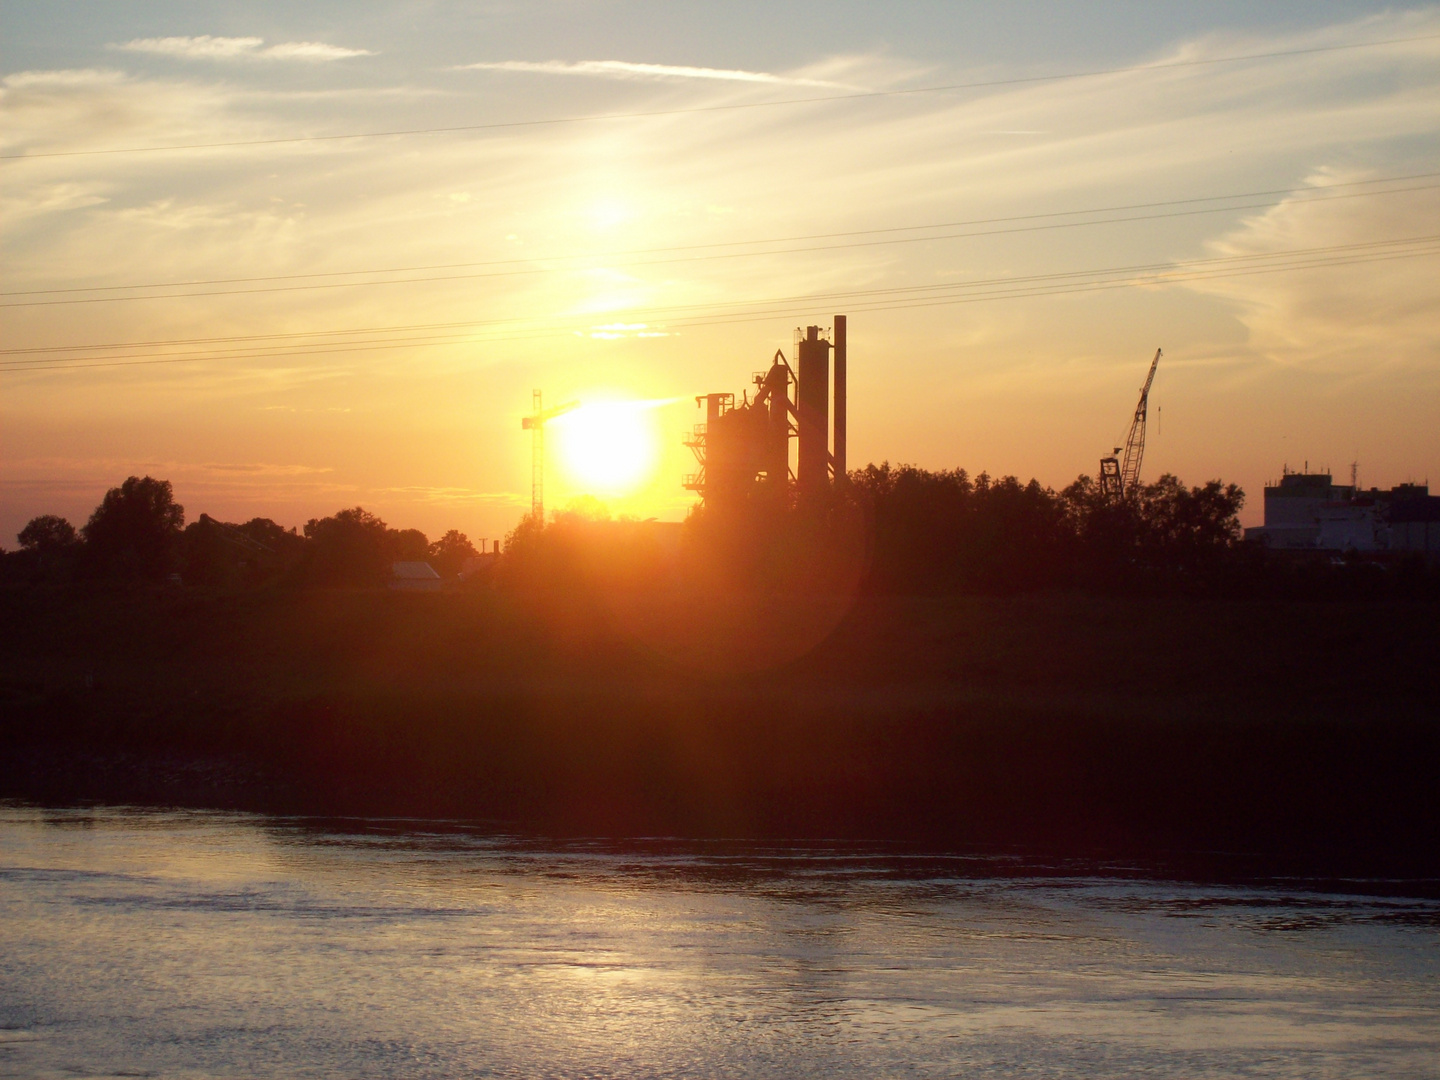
202, 944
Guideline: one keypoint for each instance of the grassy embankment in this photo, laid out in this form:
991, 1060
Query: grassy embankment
1070, 723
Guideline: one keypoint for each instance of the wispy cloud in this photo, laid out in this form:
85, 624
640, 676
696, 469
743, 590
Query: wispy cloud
81, 77
456, 494
261, 468
1358, 322
206, 47
625, 69
312, 50
1132, 137
50, 199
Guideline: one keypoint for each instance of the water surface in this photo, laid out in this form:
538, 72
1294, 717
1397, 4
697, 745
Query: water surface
185, 944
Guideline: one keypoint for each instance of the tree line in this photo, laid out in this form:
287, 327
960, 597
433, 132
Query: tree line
903, 529
900, 529
945, 531
889, 529
138, 533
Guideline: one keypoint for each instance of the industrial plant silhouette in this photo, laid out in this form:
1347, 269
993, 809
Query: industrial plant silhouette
880, 653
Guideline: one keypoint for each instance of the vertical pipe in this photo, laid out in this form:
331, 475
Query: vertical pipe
839, 400
715, 461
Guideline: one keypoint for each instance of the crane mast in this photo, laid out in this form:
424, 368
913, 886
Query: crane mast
1117, 475
535, 424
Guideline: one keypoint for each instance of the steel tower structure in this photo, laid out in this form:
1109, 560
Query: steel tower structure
535, 424
1117, 476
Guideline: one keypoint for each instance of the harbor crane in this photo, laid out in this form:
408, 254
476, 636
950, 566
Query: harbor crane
535, 424
1117, 475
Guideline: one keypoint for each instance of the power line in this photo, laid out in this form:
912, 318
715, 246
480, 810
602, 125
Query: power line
832, 296
815, 99
1310, 194
1162, 279
242, 337
692, 258
835, 296
888, 299
1342, 250
804, 298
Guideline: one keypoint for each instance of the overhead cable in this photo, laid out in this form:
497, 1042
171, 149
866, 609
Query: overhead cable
981, 290
533, 270
1307, 193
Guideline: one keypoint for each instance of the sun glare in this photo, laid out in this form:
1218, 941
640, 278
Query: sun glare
608, 448
606, 214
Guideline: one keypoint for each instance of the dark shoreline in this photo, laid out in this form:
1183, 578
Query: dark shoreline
1296, 737
743, 863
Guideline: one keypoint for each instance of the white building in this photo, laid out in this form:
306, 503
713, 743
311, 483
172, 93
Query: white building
1310, 512
1293, 510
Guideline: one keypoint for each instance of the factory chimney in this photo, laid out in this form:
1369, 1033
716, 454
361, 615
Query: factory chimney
813, 406
740, 445
839, 344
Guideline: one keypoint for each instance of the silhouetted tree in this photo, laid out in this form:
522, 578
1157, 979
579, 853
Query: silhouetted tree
555, 553
133, 533
48, 546
448, 554
581, 547
406, 545
941, 531
1202, 518
916, 517
349, 548
272, 534
48, 534
1158, 531
220, 553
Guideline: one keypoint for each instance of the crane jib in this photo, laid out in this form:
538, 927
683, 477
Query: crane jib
1119, 475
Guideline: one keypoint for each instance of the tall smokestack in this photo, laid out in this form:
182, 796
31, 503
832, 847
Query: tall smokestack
839, 399
812, 402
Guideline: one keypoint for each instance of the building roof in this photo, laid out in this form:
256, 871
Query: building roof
1308, 486
413, 571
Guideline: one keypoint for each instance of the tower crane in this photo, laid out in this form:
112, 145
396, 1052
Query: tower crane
535, 424
1118, 476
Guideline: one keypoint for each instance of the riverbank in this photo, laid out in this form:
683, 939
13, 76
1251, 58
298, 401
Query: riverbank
1064, 723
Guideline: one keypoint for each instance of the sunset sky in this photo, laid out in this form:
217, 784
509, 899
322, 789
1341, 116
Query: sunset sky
637, 203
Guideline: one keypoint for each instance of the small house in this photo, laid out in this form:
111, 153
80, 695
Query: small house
414, 577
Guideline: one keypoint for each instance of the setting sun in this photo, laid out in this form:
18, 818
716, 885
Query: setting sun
608, 448
798, 530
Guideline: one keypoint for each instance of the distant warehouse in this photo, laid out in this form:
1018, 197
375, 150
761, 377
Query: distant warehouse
1310, 512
